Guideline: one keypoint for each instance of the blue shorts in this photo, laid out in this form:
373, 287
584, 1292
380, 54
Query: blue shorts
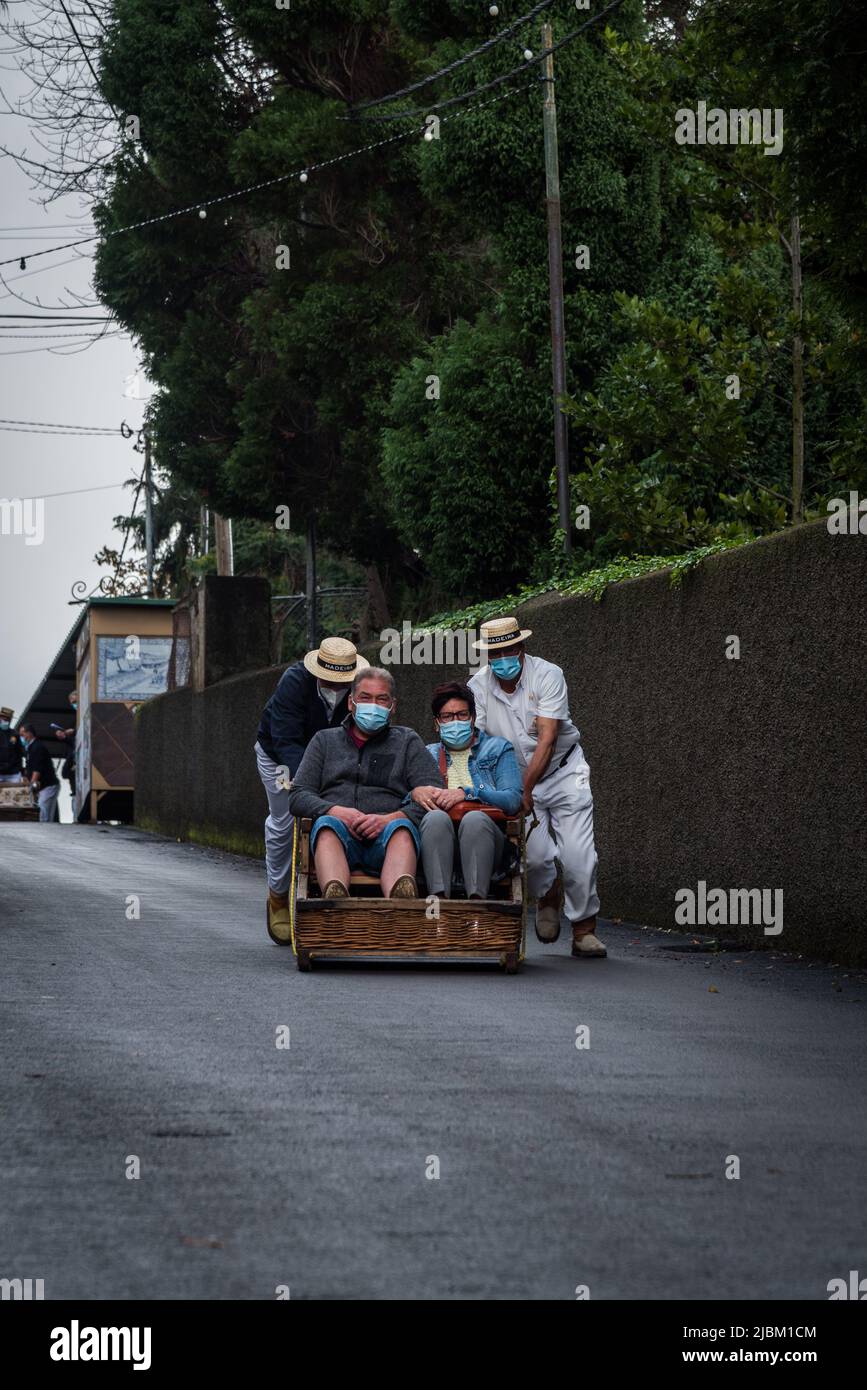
363, 854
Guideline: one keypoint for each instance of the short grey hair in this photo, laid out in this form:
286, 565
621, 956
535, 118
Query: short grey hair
378, 674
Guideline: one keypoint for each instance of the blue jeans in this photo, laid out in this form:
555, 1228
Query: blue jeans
368, 855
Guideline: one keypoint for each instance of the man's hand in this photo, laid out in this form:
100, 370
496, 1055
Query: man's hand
371, 825
350, 815
427, 797
527, 802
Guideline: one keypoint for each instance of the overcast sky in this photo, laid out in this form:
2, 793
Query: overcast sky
66, 386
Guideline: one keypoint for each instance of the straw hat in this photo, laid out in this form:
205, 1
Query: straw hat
336, 660
501, 632
6, 712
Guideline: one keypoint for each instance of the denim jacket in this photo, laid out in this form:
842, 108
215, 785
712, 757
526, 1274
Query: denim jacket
494, 770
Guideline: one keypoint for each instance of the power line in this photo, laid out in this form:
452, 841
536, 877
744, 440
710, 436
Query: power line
92, 338
452, 67
47, 424
74, 321
301, 173
67, 434
76, 491
487, 86
4, 336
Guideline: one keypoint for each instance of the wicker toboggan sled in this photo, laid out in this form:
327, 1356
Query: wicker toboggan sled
370, 926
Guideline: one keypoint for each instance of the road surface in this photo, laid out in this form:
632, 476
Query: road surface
266, 1168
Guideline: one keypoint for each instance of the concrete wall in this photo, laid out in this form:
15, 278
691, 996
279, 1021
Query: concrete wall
746, 773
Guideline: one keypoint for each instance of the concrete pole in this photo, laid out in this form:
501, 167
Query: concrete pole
149, 517
555, 279
223, 538
312, 617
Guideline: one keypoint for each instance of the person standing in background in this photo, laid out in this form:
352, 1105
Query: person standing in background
11, 751
40, 773
68, 768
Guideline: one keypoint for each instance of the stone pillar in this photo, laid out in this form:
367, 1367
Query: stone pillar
230, 628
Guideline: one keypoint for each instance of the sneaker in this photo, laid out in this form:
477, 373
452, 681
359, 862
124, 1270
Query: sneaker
335, 889
548, 921
405, 887
277, 918
588, 947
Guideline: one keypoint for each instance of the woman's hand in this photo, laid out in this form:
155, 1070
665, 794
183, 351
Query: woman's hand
450, 797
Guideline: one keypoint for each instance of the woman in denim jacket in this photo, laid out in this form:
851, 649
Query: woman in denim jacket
476, 767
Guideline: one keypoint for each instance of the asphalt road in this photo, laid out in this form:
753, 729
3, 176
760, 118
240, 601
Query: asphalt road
306, 1166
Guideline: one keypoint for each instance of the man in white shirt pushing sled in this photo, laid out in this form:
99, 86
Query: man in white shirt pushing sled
525, 699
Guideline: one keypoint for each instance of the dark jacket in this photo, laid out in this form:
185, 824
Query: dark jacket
295, 712
373, 778
11, 753
39, 760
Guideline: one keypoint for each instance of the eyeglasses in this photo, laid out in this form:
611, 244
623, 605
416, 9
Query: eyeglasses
385, 700
449, 718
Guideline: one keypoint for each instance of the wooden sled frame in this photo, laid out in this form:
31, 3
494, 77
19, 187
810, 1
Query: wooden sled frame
366, 925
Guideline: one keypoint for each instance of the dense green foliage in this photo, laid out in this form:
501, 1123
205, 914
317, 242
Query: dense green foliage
373, 344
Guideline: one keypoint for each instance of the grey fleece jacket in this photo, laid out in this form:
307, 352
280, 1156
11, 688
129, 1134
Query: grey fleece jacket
375, 777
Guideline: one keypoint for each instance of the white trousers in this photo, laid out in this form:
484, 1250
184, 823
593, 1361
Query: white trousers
564, 806
278, 826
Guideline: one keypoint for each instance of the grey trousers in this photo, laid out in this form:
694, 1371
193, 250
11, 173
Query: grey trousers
278, 826
48, 803
481, 845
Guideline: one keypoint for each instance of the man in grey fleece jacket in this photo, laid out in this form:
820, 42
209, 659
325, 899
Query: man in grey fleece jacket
354, 783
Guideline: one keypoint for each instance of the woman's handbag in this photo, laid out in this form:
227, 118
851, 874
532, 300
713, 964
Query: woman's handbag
463, 808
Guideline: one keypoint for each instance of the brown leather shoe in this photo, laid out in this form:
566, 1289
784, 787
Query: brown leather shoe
335, 889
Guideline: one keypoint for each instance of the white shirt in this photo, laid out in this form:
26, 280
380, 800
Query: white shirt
541, 692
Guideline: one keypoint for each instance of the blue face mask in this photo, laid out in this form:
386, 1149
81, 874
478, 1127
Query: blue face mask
506, 667
371, 718
457, 734
4, 723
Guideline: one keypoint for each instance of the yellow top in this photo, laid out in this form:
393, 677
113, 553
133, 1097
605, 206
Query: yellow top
459, 772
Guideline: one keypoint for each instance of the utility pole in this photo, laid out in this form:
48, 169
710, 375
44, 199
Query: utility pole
312, 624
555, 280
149, 515
223, 539
797, 376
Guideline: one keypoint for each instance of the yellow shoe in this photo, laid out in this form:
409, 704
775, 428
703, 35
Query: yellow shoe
277, 918
404, 887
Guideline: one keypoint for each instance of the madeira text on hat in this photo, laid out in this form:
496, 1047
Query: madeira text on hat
336, 660
501, 632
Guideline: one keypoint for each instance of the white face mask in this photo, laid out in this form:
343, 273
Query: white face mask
330, 697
